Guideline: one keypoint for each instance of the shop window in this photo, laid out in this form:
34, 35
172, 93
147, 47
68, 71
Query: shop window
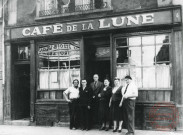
59, 65
146, 58
55, 7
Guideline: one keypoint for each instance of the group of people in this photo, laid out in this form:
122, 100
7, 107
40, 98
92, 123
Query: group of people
99, 103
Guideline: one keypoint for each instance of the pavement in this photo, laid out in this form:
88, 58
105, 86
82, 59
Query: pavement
37, 130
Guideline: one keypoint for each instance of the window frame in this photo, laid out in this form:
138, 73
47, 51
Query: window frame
142, 34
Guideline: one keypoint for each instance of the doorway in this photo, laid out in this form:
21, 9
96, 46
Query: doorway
21, 92
97, 58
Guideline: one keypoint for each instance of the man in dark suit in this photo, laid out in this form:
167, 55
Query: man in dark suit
85, 99
96, 86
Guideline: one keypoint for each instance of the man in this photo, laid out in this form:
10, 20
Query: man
71, 95
85, 104
96, 87
130, 92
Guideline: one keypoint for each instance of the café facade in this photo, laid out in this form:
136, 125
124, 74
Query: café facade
43, 60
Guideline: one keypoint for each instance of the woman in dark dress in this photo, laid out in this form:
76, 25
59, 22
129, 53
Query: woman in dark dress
116, 109
104, 110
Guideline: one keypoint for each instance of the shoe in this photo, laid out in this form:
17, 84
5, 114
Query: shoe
102, 128
83, 128
74, 128
129, 133
114, 130
119, 130
106, 129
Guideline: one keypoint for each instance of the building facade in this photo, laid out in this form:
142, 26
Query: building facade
48, 43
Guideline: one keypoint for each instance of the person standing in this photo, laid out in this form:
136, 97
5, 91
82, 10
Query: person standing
116, 109
104, 110
130, 92
71, 95
96, 87
85, 104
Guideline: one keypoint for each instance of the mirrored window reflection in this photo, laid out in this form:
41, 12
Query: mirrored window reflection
134, 41
121, 42
135, 56
162, 39
23, 52
162, 54
122, 55
148, 40
148, 55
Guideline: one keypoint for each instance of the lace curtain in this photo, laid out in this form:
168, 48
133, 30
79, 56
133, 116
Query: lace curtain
153, 77
55, 79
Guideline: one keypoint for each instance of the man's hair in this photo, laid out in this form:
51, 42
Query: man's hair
75, 80
116, 78
128, 77
96, 74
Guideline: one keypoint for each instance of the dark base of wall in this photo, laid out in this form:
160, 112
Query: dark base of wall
148, 116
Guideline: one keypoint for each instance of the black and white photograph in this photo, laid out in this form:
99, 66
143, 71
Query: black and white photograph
91, 67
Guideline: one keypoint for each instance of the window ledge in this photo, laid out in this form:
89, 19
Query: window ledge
74, 13
155, 89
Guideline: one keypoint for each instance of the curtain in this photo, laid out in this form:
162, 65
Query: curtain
43, 78
53, 80
121, 73
64, 78
149, 77
163, 76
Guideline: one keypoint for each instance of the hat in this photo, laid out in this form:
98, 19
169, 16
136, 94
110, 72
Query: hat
128, 77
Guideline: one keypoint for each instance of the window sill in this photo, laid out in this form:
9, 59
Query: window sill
155, 89
61, 89
74, 13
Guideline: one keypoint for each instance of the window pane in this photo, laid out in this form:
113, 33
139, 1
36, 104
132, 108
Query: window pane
135, 56
148, 40
149, 77
23, 52
148, 57
160, 39
121, 42
122, 55
163, 76
134, 41
162, 54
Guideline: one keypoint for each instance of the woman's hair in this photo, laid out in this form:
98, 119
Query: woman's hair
75, 80
116, 78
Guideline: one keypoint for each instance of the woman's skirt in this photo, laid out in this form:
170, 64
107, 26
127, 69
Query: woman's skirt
116, 111
104, 111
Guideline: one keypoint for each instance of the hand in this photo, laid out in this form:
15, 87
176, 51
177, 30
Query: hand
93, 96
109, 104
88, 107
120, 105
99, 95
125, 97
69, 101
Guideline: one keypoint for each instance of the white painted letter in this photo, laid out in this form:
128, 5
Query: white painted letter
83, 27
102, 24
90, 26
69, 28
147, 18
26, 30
36, 31
46, 28
74, 27
132, 19
57, 28
114, 21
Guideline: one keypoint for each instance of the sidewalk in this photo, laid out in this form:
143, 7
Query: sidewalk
32, 130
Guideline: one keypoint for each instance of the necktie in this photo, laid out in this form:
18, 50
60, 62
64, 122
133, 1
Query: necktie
126, 88
95, 84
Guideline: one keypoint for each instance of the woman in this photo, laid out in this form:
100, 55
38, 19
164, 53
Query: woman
116, 109
104, 98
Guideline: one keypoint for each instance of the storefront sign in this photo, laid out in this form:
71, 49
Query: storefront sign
155, 18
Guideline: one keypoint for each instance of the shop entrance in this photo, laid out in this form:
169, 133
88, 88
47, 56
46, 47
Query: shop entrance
21, 92
97, 58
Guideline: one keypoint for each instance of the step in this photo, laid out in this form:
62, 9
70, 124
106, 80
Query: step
18, 122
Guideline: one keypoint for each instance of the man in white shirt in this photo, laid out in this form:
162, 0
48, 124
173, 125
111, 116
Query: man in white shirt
130, 92
71, 95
